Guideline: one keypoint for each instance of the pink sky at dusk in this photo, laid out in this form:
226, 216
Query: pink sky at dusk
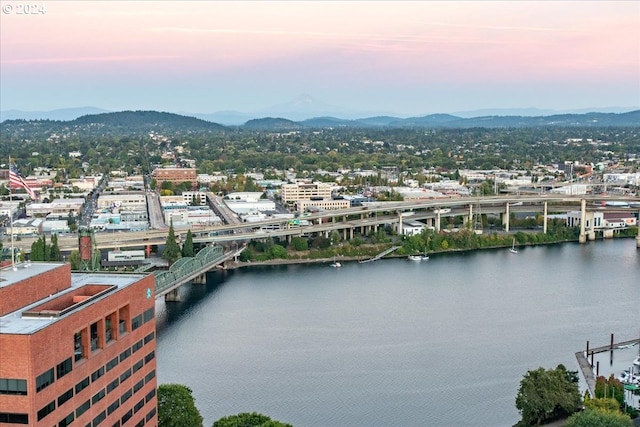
403, 57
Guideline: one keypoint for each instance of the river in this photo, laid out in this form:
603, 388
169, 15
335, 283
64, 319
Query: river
442, 342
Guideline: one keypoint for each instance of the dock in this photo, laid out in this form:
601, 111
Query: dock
586, 366
380, 255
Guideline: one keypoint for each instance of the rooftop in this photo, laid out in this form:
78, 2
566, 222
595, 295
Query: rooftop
86, 289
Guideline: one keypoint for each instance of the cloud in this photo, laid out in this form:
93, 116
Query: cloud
83, 59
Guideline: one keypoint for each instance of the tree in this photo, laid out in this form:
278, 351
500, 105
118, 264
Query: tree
187, 247
598, 418
47, 249
547, 395
176, 407
171, 249
54, 253
74, 260
37, 250
247, 419
299, 243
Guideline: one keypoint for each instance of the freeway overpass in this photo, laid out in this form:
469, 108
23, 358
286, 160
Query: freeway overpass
365, 218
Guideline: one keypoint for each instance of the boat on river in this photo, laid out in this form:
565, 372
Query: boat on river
513, 249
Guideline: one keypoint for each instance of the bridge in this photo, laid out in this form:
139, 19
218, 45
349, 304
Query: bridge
190, 269
368, 218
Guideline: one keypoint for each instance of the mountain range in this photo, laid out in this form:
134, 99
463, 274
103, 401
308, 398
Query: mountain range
304, 108
143, 122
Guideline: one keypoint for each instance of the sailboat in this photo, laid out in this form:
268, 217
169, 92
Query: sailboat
419, 257
513, 249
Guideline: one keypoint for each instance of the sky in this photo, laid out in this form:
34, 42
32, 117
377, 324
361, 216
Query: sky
408, 58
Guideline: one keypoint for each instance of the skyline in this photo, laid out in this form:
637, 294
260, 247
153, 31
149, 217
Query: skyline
406, 58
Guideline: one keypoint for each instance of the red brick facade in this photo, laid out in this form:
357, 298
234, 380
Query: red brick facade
175, 175
33, 289
100, 351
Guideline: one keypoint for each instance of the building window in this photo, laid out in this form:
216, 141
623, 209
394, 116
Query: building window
108, 327
83, 408
11, 386
137, 346
66, 420
138, 406
112, 363
112, 385
136, 322
151, 414
150, 395
126, 417
77, 346
44, 380
137, 386
123, 316
151, 375
65, 396
98, 397
63, 368
49, 408
94, 336
125, 354
9, 418
100, 418
115, 405
126, 374
97, 374
149, 357
149, 337
82, 385
138, 365
126, 395
148, 315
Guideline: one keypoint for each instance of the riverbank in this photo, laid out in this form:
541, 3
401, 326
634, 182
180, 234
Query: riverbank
301, 259
343, 258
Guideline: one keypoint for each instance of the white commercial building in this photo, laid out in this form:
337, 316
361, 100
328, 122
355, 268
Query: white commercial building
291, 193
57, 207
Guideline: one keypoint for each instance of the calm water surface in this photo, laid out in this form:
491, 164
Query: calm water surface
443, 342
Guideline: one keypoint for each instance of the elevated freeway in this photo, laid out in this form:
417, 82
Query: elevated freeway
366, 218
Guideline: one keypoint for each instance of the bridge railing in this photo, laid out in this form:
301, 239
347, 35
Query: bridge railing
185, 267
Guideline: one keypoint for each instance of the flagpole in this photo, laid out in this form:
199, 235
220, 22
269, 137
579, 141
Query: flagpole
13, 261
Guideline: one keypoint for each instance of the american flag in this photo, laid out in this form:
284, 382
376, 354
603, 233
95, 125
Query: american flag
16, 181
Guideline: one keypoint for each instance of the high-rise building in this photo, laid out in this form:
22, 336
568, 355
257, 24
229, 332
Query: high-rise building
76, 348
291, 193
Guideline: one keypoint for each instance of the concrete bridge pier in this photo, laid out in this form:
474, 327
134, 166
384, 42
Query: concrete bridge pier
505, 217
173, 295
201, 279
470, 219
638, 238
438, 221
544, 219
583, 219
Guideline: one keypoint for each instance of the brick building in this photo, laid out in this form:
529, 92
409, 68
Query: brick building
76, 348
176, 176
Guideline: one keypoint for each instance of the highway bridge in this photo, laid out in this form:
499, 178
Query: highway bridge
368, 218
